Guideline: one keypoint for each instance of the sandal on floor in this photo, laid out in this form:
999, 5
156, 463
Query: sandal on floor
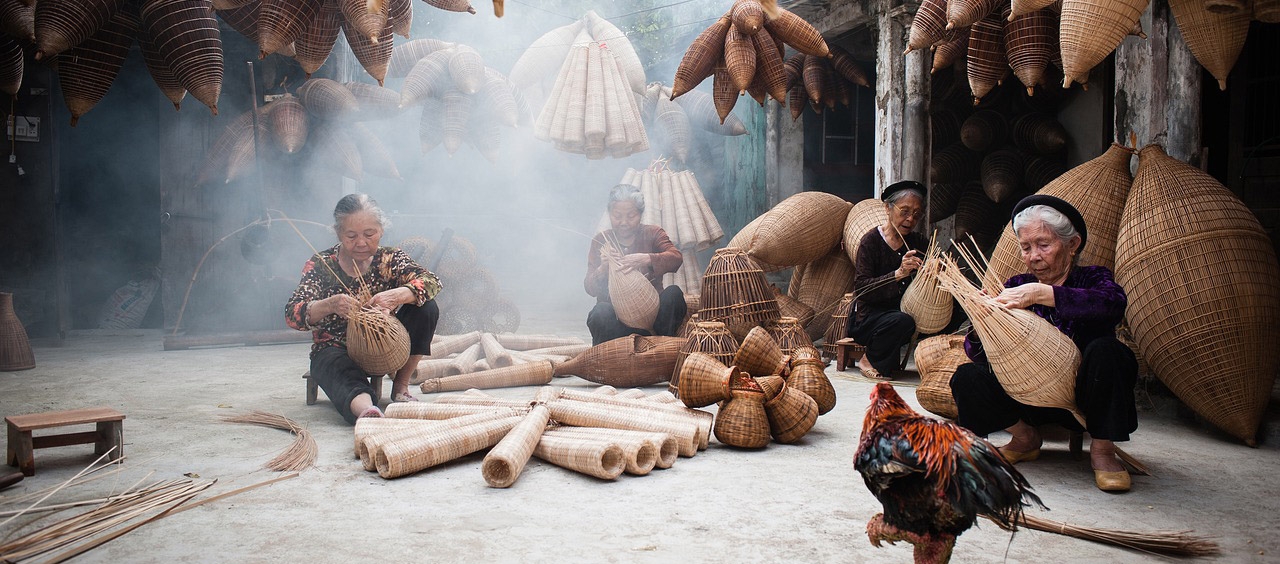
372, 411
398, 397
872, 374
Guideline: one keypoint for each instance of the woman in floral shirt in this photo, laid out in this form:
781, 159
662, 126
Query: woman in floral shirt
323, 301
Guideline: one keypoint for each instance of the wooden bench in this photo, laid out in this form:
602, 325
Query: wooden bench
847, 352
313, 389
21, 451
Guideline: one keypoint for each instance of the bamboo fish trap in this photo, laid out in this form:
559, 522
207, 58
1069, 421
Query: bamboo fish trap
376, 341
654, 450
628, 361
688, 434
1035, 363
634, 298
1091, 30
839, 323
759, 354
742, 421
734, 290
604, 460
926, 303
404, 457
791, 413
503, 465
86, 71
807, 375
526, 374
705, 380
708, 337
800, 229
1204, 291
788, 333
1216, 39
185, 34
937, 359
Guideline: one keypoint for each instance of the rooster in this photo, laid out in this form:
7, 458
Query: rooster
933, 478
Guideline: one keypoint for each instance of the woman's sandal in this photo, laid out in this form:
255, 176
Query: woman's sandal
372, 411
873, 374
398, 397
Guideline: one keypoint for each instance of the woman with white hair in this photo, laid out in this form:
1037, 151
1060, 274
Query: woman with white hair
1086, 304
645, 248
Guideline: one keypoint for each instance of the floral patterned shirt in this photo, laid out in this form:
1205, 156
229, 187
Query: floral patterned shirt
390, 268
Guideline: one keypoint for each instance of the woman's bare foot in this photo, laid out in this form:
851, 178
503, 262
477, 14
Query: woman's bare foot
1025, 438
867, 370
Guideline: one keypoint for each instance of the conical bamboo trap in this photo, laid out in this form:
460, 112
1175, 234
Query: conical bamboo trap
926, 303
791, 413
807, 375
1216, 39
628, 361
799, 230
185, 34
86, 71
788, 333
1090, 30
937, 359
734, 290
1035, 363
837, 324
11, 65
988, 63
18, 21
1204, 291
708, 337
705, 380
741, 421
759, 354
634, 298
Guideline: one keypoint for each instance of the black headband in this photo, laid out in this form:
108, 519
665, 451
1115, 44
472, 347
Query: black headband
904, 185
1072, 214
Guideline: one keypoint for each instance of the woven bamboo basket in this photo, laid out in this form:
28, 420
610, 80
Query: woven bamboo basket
215, 162
493, 351
663, 397
473, 396
814, 76
364, 19
839, 321
1002, 174
373, 55
288, 123
400, 17
844, 65
704, 380
791, 307
739, 58
791, 414
1099, 189
639, 456
427, 78
185, 33
769, 64
800, 229
945, 127
501, 96
700, 58
664, 449
281, 22
926, 303
241, 155
1227, 6
809, 377
929, 25
864, 216
430, 368
675, 124
327, 99
953, 164
374, 156
759, 354
243, 19
1039, 134
545, 55
15, 347
454, 344
431, 125
466, 359
984, 130
377, 342
1216, 38
708, 337
742, 422
1266, 11
466, 68
988, 63
974, 211
734, 290
604, 460
1090, 30
770, 385
160, 72
59, 26
86, 71
965, 13
788, 333
723, 91
457, 110
527, 374
370, 440
616, 42
1040, 171
747, 16
627, 361
796, 32
1043, 375
1028, 44
18, 21
368, 426
937, 359
943, 199
688, 434
405, 55
408, 456
437, 411
948, 53
634, 298
701, 109
1021, 7
795, 100
503, 465
1204, 291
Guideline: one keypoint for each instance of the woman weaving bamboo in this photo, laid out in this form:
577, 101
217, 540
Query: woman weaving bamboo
887, 257
1086, 304
635, 246
323, 301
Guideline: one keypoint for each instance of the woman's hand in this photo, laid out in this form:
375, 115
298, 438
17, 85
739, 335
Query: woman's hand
389, 300
636, 261
910, 262
1026, 295
338, 304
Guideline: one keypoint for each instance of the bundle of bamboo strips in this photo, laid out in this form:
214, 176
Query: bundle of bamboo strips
301, 453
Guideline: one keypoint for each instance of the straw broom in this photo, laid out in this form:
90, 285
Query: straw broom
300, 454
1170, 543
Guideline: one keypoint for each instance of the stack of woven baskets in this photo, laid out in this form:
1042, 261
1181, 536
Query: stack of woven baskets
472, 300
488, 360
462, 99
601, 433
323, 123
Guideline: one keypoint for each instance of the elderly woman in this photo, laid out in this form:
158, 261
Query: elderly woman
645, 248
888, 256
1085, 303
323, 300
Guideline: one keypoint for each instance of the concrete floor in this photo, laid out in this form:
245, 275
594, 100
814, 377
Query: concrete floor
785, 503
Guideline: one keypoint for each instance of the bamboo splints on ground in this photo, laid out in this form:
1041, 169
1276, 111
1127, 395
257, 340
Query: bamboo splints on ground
1168, 543
301, 453
602, 433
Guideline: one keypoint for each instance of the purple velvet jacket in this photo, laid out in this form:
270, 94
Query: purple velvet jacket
1089, 305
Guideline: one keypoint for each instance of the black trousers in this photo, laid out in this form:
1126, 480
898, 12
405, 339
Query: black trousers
342, 380
883, 333
605, 326
1104, 394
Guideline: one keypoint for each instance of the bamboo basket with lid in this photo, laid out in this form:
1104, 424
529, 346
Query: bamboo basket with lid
708, 337
1204, 291
937, 359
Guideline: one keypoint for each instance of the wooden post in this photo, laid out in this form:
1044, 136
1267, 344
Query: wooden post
1157, 88
891, 94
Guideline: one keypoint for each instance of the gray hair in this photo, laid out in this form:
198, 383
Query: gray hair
1053, 219
353, 203
895, 197
626, 192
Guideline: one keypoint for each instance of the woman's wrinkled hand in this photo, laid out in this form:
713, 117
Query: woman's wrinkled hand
342, 305
389, 300
635, 261
910, 262
1025, 296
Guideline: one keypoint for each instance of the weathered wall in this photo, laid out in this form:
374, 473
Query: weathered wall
1157, 88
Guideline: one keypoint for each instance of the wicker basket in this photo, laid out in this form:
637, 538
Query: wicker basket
1204, 291
956, 163
937, 359
705, 380
800, 229
497, 356
926, 303
1020, 7
1090, 30
988, 63
627, 361
86, 71
405, 55
404, 457
791, 414
708, 337
186, 36
314, 44
742, 421
327, 99
770, 385
1002, 174
700, 58
929, 26
1040, 134
1098, 188
604, 460
788, 333
1266, 11
769, 65
838, 322
739, 58
634, 400
948, 53
862, 217
1215, 38
59, 26
377, 342
503, 464
527, 374
1028, 44
734, 290
796, 32
808, 376
791, 307
759, 354
814, 76
965, 13
15, 347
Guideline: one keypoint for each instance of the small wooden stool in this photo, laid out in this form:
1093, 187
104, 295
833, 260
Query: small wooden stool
313, 389
847, 349
21, 451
